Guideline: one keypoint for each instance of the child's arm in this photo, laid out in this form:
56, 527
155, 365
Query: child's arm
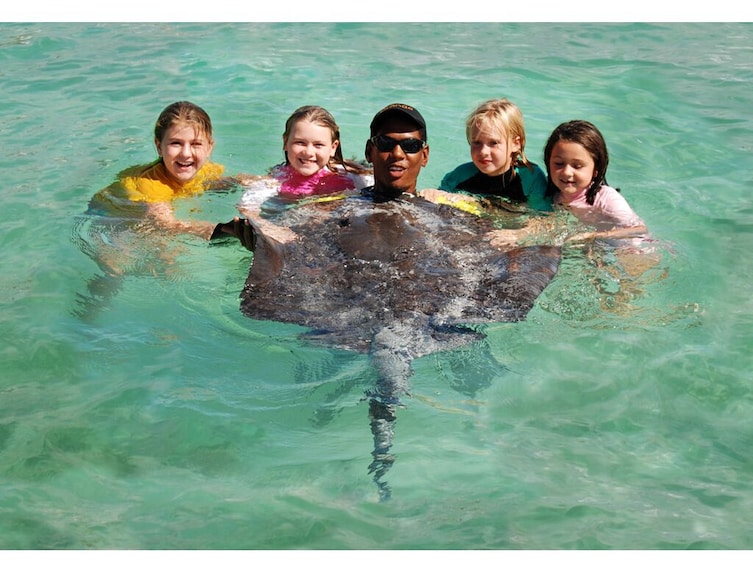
248, 180
542, 225
536, 226
242, 180
616, 233
163, 216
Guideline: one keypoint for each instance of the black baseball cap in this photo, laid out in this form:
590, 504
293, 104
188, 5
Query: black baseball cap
401, 109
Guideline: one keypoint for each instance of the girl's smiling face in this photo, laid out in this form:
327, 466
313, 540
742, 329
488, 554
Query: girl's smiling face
571, 168
309, 147
184, 150
492, 151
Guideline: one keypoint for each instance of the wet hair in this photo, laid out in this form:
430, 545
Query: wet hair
586, 134
183, 112
321, 117
504, 116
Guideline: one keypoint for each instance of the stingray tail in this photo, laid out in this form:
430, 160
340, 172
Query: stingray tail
393, 363
382, 417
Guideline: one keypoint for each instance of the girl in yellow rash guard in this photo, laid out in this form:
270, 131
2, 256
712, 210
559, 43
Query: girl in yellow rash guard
118, 231
184, 143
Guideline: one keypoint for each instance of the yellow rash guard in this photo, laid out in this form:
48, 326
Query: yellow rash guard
152, 184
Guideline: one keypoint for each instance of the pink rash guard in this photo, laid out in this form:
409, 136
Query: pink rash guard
610, 209
293, 183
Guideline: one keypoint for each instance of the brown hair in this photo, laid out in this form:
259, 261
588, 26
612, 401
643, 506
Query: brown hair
586, 134
320, 116
183, 112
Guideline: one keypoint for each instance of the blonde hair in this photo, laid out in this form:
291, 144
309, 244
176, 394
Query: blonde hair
504, 116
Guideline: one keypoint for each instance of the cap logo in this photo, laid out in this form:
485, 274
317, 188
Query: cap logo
397, 105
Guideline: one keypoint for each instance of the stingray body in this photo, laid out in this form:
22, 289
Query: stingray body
395, 279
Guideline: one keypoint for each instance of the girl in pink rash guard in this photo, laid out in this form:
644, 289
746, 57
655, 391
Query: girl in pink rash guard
314, 165
576, 161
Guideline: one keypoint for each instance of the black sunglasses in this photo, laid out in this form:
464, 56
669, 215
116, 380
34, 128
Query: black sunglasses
387, 144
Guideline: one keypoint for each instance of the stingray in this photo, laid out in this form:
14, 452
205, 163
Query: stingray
395, 280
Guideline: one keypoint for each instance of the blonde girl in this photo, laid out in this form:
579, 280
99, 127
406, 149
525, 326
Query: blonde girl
498, 166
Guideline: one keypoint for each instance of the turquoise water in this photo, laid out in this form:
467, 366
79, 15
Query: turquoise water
168, 420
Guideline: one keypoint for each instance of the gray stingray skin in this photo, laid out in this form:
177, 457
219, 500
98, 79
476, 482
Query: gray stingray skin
396, 280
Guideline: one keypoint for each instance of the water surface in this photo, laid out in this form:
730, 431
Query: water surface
168, 420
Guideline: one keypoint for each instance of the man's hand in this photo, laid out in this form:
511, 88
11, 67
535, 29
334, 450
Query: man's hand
239, 228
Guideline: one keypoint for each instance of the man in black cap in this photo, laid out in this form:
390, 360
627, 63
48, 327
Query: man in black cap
397, 149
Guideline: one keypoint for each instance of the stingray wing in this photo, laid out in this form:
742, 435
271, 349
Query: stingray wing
357, 267
504, 287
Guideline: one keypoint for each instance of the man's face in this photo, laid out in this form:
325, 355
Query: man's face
395, 168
